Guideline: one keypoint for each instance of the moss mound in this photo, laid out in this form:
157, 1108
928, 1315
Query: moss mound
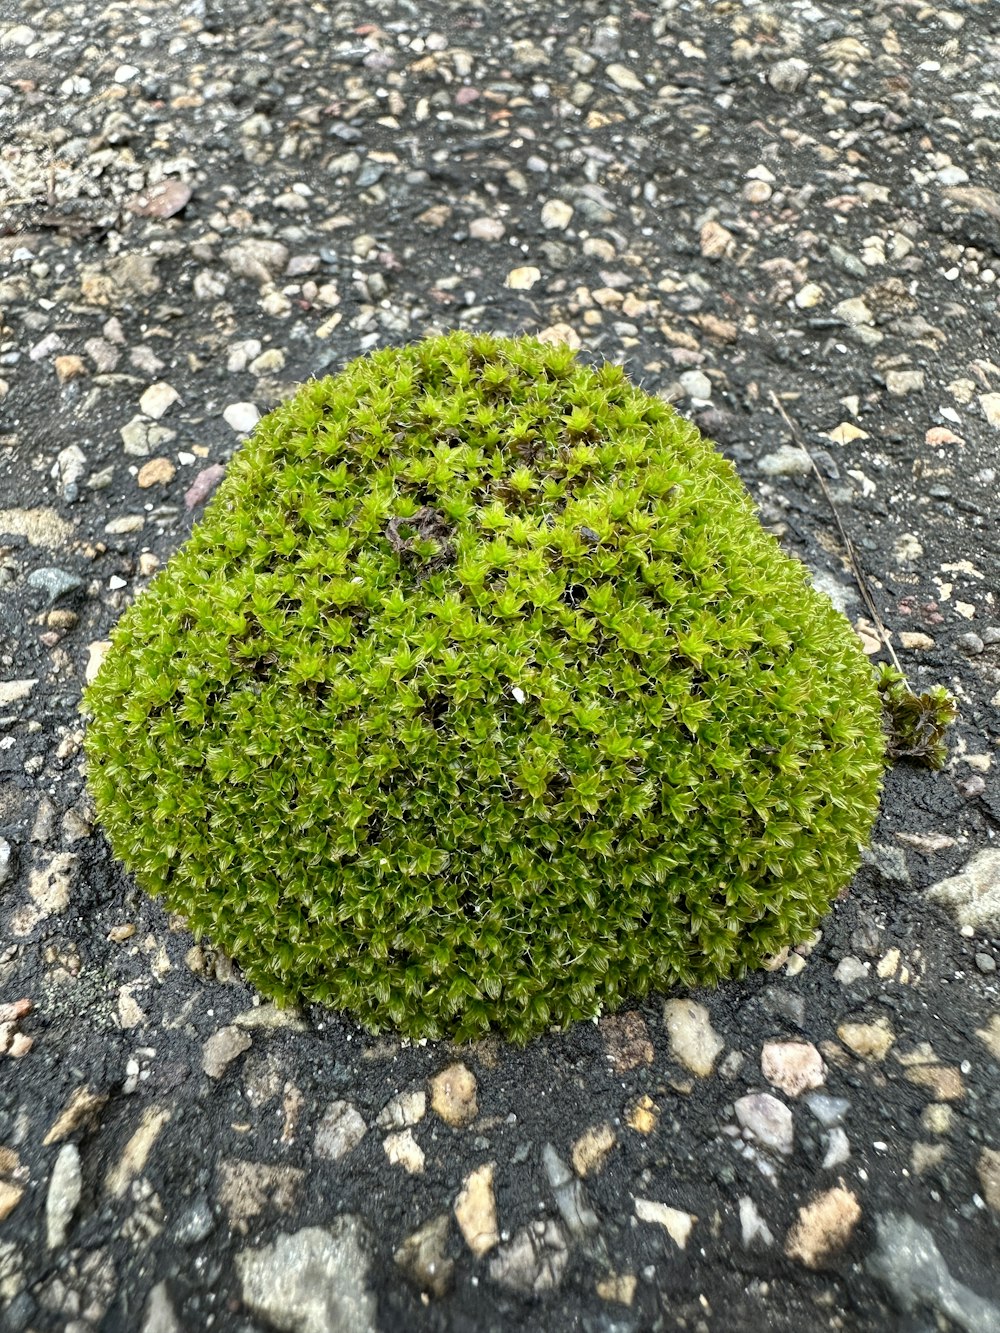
480, 698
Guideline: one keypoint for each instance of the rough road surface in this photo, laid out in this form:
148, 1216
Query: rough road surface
202, 204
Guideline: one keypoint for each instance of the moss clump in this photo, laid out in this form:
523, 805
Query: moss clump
915, 724
480, 698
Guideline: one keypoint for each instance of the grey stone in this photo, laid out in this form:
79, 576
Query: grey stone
890, 862
63, 1196
55, 583
970, 643
974, 893
222, 1048
195, 1224
842, 595
71, 467
160, 1316
829, 1111
767, 1121
341, 1129
788, 461
8, 861
534, 1261
311, 1281
570, 1195
788, 76
908, 1262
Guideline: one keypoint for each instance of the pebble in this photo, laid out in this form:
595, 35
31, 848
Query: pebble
8, 862
625, 78
402, 1149
157, 472
423, 1257
792, 1066
674, 1221
810, 295
135, 1154
341, 1129
159, 1315
752, 1226
570, 1195
988, 1170
626, 1038
591, 1150
901, 382
141, 436
990, 403
973, 895
788, 76
696, 384
535, 1259
767, 1121
158, 399
63, 1195
71, 468
203, 485
257, 259
522, 279
407, 1108
909, 1264
241, 416
694, 1043
556, 215
222, 1048
54, 582
786, 461
476, 1211
823, 1228
851, 969
69, 368
311, 1281
453, 1095
868, 1041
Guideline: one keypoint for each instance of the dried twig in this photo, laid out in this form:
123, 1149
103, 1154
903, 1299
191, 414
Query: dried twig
859, 576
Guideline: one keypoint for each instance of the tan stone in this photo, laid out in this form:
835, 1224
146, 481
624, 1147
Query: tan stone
83, 1107
925, 1156
246, 1189
157, 472
10, 1197
693, 1040
988, 1168
69, 368
674, 1221
453, 1095
136, 1152
868, 1041
990, 1036
626, 1038
591, 1149
617, 1287
522, 279
823, 1227
476, 1210
943, 1081
642, 1114
560, 333
403, 1150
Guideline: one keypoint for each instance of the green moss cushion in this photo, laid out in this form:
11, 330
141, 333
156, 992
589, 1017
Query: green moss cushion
480, 698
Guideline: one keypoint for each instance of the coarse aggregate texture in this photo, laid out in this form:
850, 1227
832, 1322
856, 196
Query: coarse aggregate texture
729, 200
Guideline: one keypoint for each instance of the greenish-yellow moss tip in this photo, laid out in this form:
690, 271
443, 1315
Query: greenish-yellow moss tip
480, 699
